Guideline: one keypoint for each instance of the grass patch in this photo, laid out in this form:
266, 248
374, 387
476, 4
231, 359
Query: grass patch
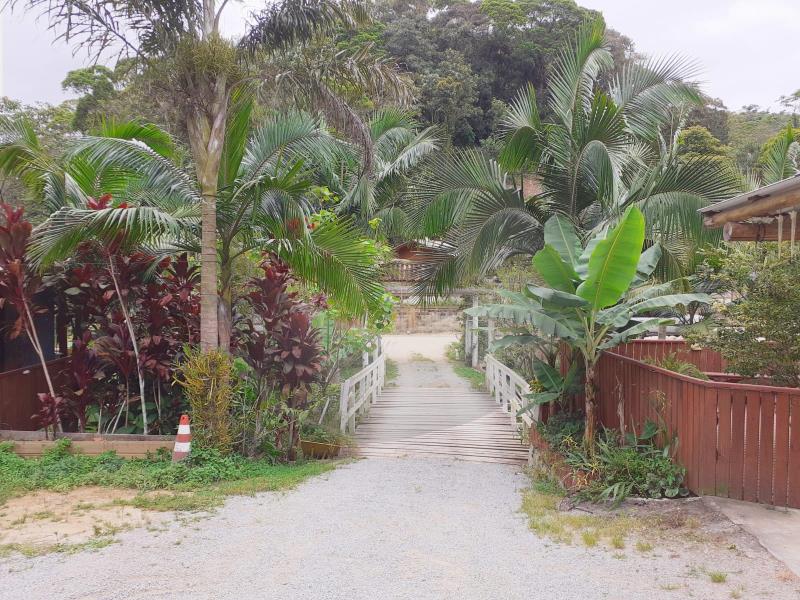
590, 538
392, 371
207, 475
31, 551
540, 504
643, 546
417, 357
475, 377
717, 576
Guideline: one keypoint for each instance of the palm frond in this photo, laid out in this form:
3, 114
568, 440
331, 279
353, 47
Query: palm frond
237, 131
577, 67
341, 263
59, 236
648, 92
525, 136
780, 159
22, 155
151, 135
289, 23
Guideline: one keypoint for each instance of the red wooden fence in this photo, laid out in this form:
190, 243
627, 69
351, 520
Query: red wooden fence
707, 360
18, 394
736, 440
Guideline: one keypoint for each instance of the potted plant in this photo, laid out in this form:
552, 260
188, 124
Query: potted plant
318, 442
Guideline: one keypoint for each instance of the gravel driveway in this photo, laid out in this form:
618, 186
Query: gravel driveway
374, 529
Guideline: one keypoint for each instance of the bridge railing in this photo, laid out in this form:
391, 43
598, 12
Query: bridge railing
509, 390
361, 390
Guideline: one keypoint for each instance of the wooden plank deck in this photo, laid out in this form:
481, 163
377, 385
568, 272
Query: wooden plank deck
439, 422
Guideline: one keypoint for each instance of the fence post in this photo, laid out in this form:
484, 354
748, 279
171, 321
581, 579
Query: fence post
467, 339
476, 336
351, 424
344, 397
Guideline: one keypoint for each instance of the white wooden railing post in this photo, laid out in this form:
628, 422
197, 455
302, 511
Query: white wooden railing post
344, 405
361, 390
510, 391
467, 339
476, 336
351, 422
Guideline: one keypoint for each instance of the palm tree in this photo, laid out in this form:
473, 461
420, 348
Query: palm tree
598, 153
203, 71
371, 180
778, 160
264, 202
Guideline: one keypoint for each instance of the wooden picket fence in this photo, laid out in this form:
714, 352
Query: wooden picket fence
735, 440
707, 360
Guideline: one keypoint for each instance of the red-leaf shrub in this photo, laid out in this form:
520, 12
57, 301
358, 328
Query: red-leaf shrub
83, 376
278, 341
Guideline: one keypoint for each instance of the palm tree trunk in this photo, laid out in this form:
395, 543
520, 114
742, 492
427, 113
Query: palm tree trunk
206, 128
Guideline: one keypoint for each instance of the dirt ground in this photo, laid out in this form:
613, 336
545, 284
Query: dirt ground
44, 521
408, 348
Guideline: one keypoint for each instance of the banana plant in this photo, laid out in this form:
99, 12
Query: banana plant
587, 302
553, 385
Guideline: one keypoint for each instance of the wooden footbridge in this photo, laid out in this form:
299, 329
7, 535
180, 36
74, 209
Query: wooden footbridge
440, 422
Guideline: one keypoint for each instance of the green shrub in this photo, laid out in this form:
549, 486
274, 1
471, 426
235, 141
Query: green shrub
635, 467
317, 433
206, 379
758, 332
455, 351
562, 430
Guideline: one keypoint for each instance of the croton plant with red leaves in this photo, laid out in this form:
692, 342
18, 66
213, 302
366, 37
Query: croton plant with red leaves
281, 346
99, 388
19, 286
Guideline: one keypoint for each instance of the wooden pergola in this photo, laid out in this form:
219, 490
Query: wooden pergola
768, 214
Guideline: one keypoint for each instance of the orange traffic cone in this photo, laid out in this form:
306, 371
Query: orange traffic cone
183, 441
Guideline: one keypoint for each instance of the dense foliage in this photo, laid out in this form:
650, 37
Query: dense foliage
640, 464
672, 362
597, 148
587, 301
283, 350
758, 331
635, 466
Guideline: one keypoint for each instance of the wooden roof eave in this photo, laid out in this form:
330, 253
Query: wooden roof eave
766, 206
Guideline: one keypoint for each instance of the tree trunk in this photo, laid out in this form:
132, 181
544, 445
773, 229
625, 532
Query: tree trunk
33, 337
206, 129
134, 343
589, 392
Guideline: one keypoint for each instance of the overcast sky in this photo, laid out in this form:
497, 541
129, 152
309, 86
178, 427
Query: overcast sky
748, 49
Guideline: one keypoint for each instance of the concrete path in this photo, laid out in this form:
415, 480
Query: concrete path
778, 530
